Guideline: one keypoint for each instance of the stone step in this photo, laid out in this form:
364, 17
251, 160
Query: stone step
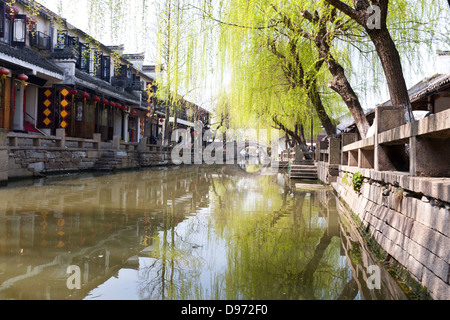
304, 162
303, 170
283, 164
107, 162
303, 167
303, 173
303, 176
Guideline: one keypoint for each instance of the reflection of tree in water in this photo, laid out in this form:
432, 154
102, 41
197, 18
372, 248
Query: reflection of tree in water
276, 242
280, 250
172, 256
278, 245
281, 243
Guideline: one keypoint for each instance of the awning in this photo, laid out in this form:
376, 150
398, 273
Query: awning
180, 121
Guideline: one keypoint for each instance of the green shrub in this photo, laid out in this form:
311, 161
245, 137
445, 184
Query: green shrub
344, 179
357, 180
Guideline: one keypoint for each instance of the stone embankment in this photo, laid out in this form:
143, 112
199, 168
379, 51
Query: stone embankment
412, 227
23, 155
403, 206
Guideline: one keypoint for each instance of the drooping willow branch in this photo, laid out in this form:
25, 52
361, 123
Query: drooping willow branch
209, 16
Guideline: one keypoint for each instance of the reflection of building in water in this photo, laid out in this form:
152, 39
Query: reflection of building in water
96, 224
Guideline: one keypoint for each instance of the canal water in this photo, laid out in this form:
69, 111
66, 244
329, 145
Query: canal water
182, 233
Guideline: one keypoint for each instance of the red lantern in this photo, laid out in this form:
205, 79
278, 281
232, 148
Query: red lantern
96, 99
112, 104
85, 96
22, 77
4, 72
133, 112
104, 101
118, 106
73, 92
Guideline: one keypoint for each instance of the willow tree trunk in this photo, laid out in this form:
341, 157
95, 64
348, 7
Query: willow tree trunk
296, 77
392, 67
314, 96
297, 134
342, 86
374, 22
340, 83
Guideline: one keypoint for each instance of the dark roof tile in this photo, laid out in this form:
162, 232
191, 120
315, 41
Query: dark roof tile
30, 56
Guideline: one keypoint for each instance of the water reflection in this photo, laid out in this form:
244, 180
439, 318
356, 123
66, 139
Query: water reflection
180, 233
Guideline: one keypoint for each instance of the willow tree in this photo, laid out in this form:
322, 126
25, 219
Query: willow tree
293, 68
236, 30
169, 44
377, 18
321, 36
278, 29
257, 81
269, 90
337, 37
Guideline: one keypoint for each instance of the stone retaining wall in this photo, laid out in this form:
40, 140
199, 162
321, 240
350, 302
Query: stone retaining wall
327, 172
154, 158
409, 218
28, 155
31, 162
3, 156
23, 162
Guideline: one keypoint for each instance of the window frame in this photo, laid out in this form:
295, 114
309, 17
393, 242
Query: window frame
2, 19
106, 68
19, 20
7, 30
83, 62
